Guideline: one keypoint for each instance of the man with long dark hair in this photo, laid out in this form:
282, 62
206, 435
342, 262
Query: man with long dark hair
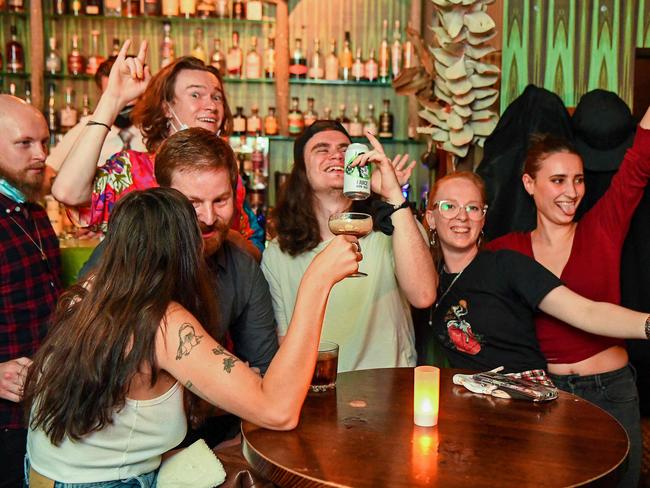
368, 317
30, 266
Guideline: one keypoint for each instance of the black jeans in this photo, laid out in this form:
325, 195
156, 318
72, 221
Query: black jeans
12, 455
616, 393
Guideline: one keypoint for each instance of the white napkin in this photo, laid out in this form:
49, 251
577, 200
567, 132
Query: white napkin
195, 466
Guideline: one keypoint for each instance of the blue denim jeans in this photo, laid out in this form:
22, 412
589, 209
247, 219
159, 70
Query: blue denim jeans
616, 393
146, 480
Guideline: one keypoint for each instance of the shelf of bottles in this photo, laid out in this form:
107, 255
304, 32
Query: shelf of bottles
14, 58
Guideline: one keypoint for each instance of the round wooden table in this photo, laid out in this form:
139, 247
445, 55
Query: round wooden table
362, 435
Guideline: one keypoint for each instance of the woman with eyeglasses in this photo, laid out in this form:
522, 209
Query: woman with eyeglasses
184, 94
483, 316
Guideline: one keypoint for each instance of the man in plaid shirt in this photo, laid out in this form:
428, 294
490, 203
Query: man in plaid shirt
30, 268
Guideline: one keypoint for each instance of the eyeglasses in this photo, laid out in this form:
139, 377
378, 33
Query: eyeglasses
451, 208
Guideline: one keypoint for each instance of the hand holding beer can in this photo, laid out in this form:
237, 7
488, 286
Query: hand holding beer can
356, 179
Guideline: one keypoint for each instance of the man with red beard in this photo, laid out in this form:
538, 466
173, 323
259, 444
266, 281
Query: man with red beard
202, 167
30, 267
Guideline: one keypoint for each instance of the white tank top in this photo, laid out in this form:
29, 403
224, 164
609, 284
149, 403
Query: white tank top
132, 445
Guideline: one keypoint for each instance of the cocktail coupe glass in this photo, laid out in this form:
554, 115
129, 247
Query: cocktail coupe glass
353, 224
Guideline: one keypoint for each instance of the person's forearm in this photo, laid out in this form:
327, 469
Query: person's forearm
73, 184
414, 267
288, 377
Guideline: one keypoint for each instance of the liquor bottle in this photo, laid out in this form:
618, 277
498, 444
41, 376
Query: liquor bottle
317, 67
115, 50
298, 63
166, 46
76, 62
112, 8
75, 7
52, 120
327, 113
271, 123
358, 67
356, 124
53, 62
345, 58
396, 52
59, 7
16, 6
235, 57
12, 89
311, 115
198, 51
68, 114
170, 8
131, 8
206, 9
332, 64
296, 120
269, 59
384, 54
95, 59
254, 122
410, 59
238, 9
239, 122
85, 109
150, 8
372, 68
188, 8
217, 58
342, 118
253, 61
93, 7
370, 124
222, 9
28, 92
386, 122
15, 53
254, 10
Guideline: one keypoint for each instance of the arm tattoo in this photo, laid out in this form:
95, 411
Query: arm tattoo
229, 361
187, 340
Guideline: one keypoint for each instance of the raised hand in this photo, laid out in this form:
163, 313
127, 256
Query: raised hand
390, 175
129, 77
339, 259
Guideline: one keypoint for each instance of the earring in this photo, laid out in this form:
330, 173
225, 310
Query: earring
432, 238
480, 239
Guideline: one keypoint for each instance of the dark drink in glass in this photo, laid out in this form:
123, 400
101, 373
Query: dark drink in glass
324, 377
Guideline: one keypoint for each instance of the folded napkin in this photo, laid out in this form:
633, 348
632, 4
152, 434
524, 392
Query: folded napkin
195, 466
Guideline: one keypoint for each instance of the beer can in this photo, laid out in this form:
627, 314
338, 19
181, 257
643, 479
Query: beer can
356, 180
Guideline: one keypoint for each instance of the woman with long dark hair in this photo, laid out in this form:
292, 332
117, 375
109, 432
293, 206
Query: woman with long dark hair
186, 93
106, 388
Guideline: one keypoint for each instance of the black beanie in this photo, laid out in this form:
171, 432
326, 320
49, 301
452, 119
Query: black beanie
309, 132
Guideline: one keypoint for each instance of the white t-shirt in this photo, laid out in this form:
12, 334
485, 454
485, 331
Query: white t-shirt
369, 318
141, 432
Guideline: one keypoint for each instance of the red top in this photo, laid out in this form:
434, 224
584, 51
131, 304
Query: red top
593, 268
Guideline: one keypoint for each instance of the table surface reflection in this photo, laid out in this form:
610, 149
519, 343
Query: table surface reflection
479, 440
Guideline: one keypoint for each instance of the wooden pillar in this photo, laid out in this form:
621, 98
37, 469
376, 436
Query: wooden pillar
37, 45
282, 65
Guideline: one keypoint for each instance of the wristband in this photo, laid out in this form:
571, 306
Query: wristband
647, 327
94, 122
404, 204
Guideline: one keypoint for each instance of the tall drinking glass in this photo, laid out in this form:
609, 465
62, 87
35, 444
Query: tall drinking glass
353, 224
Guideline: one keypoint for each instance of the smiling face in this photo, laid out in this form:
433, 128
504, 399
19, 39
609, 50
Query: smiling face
460, 233
211, 194
324, 160
23, 146
558, 187
198, 101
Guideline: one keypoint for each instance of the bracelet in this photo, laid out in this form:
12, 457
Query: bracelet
94, 122
647, 327
404, 204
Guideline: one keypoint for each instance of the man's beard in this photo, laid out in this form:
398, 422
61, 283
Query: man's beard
214, 243
31, 189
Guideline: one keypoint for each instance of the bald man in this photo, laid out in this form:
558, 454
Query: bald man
30, 267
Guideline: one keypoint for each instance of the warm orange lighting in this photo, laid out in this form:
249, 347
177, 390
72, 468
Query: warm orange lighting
426, 390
